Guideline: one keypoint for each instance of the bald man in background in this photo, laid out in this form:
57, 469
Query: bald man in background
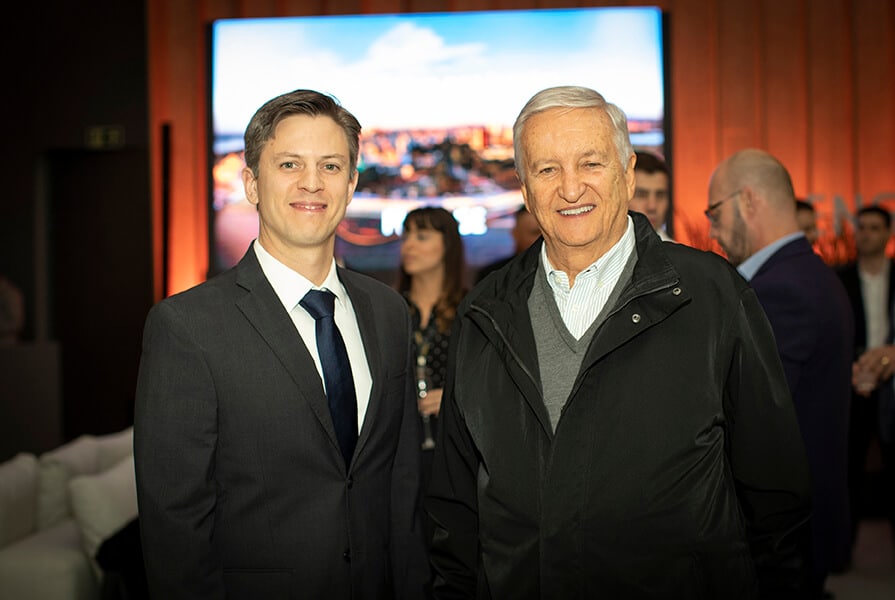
752, 211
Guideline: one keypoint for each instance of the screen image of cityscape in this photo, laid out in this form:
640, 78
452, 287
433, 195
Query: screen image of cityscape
436, 95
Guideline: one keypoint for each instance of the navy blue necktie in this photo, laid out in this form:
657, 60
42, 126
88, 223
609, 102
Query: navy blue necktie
337, 376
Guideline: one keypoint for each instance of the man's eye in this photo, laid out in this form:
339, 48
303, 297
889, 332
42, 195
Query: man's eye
287, 165
331, 167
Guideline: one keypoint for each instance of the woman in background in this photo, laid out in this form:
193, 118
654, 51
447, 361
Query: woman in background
431, 280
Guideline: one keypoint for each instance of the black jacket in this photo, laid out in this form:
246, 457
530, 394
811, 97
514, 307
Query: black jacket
676, 469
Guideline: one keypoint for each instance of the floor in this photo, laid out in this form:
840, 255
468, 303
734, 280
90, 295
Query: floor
873, 575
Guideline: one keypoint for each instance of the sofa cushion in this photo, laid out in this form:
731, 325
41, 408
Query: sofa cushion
77, 457
18, 497
103, 503
48, 565
113, 447
85, 455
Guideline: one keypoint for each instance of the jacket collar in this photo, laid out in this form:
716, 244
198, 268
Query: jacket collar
507, 292
499, 306
263, 308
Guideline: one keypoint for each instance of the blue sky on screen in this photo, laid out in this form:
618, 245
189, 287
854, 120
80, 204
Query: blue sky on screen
438, 69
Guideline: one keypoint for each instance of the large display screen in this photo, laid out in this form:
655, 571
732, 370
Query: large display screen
436, 95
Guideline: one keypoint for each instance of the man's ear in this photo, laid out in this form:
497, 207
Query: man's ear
524, 190
630, 176
250, 184
749, 201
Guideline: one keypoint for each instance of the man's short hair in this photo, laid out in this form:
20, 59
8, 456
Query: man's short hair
264, 122
650, 163
571, 96
877, 210
804, 205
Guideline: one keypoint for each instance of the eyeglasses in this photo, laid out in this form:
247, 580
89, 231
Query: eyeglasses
712, 211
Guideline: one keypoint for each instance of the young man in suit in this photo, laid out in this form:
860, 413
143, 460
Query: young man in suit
752, 210
256, 479
870, 283
652, 191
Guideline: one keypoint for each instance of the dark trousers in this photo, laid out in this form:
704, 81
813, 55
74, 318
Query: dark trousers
869, 497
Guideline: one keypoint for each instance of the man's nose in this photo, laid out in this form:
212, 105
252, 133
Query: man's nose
571, 187
310, 180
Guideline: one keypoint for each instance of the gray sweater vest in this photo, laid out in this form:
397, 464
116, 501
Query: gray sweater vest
559, 353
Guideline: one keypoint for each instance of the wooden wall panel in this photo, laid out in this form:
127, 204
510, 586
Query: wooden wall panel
343, 7
694, 108
830, 100
874, 21
738, 82
784, 86
385, 6
301, 8
515, 4
178, 99
461, 5
554, 4
428, 6
258, 8
159, 114
813, 82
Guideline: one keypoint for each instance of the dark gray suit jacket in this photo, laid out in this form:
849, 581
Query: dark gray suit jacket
241, 486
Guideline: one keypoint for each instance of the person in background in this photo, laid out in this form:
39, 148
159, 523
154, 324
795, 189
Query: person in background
652, 195
431, 281
870, 283
584, 449
807, 220
261, 471
753, 217
525, 232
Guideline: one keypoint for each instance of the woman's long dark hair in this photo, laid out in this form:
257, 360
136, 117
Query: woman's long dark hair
440, 219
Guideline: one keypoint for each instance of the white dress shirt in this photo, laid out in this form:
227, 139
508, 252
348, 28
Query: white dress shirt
291, 287
580, 304
875, 294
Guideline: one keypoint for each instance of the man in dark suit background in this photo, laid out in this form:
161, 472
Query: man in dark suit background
870, 283
245, 488
752, 210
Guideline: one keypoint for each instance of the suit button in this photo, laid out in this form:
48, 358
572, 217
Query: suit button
347, 555
350, 483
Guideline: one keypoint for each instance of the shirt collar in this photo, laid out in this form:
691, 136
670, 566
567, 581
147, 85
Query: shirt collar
290, 286
749, 267
619, 252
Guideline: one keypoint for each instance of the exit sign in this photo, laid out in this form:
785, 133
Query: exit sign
104, 137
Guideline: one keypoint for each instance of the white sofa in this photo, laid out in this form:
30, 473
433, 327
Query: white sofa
56, 510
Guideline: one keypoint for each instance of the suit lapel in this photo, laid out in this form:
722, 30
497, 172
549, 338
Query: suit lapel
363, 310
263, 309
